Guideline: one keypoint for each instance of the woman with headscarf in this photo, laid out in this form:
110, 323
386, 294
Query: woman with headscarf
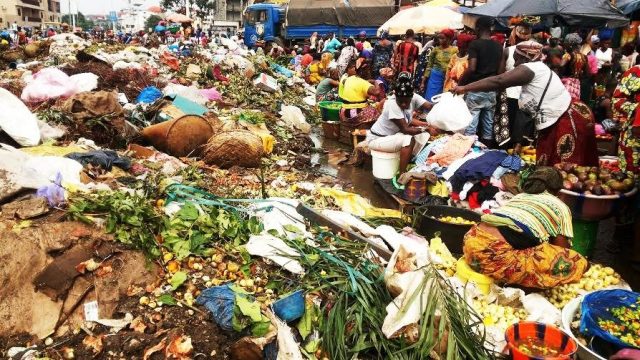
459, 63
395, 129
382, 53
438, 63
347, 54
513, 134
354, 92
576, 67
527, 241
564, 126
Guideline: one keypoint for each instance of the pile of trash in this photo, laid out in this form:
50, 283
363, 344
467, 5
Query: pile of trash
117, 166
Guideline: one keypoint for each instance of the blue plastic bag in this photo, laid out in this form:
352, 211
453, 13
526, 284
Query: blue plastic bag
282, 70
598, 305
291, 307
220, 301
149, 95
54, 193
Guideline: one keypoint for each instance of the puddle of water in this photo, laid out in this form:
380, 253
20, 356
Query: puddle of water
360, 178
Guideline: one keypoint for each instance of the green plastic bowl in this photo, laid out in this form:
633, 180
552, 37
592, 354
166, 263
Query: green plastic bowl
330, 110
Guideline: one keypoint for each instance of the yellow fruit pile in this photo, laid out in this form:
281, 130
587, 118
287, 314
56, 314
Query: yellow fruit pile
498, 315
596, 278
456, 220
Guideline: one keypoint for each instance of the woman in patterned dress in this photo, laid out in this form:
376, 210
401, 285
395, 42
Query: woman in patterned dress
527, 241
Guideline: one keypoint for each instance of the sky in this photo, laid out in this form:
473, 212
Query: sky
100, 7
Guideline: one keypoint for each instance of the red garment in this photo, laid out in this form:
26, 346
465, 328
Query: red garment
306, 60
571, 139
407, 54
473, 200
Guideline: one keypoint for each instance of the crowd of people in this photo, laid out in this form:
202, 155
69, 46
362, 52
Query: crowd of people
519, 87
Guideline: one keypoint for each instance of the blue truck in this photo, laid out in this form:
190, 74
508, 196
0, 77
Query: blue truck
280, 24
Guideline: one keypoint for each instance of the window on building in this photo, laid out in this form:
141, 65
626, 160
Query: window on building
19, 12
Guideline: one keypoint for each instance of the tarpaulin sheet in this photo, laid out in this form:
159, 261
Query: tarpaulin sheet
311, 12
587, 13
364, 13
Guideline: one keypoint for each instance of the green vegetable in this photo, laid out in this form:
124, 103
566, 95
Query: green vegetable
177, 279
167, 299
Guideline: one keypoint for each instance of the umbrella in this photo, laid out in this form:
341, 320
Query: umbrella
178, 18
628, 6
587, 13
443, 3
423, 20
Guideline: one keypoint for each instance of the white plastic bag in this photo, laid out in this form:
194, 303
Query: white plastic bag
17, 120
274, 249
294, 118
85, 82
450, 113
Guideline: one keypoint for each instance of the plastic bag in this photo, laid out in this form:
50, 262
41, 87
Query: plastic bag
54, 193
450, 113
598, 305
294, 118
85, 82
48, 83
276, 250
19, 122
211, 94
149, 95
220, 301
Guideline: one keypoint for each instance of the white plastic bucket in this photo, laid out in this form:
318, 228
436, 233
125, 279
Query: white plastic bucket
385, 164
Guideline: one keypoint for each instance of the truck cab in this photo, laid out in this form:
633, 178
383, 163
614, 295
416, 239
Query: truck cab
263, 23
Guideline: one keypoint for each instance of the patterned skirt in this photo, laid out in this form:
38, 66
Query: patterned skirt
571, 139
501, 127
543, 266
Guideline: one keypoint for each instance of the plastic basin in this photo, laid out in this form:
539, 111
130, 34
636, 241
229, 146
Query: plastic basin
330, 110
385, 165
550, 336
594, 207
568, 313
427, 224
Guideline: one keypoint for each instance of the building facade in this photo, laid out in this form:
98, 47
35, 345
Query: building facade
29, 13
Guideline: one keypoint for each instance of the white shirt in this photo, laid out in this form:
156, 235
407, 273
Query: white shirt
555, 102
514, 91
384, 126
604, 56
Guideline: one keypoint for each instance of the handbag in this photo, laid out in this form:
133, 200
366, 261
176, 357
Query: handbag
524, 123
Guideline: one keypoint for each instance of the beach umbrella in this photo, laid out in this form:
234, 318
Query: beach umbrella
423, 19
585, 13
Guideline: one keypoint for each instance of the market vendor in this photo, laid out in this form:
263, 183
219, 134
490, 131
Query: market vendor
354, 92
526, 241
395, 129
327, 89
565, 126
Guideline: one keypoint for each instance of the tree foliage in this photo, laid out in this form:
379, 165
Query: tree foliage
152, 21
81, 21
199, 8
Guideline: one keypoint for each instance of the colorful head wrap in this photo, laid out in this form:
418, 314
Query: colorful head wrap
367, 54
449, 33
384, 34
404, 85
464, 39
572, 39
362, 34
359, 46
530, 49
